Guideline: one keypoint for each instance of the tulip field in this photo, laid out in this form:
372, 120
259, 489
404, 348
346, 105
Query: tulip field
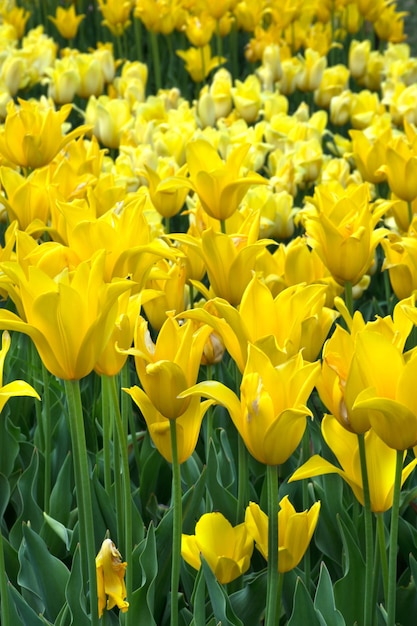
208, 319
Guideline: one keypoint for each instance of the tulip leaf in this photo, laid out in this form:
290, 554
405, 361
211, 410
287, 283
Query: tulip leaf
220, 602
4, 494
74, 593
407, 594
329, 490
222, 499
303, 608
104, 510
65, 534
142, 601
348, 591
28, 508
41, 574
9, 446
249, 603
60, 502
324, 599
198, 600
24, 615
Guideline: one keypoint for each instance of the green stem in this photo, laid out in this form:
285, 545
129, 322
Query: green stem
177, 524
243, 480
137, 24
107, 436
306, 503
83, 492
369, 547
392, 555
349, 296
122, 438
272, 599
380, 526
410, 212
46, 415
223, 226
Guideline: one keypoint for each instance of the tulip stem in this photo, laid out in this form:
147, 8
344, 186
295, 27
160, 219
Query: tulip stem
369, 548
272, 593
83, 492
392, 554
155, 60
177, 524
110, 381
349, 297
380, 526
46, 414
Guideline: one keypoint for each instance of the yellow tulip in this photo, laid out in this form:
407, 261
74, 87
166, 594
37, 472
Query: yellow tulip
16, 387
167, 280
63, 80
401, 169
356, 360
26, 198
17, 17
401, 263
369, 154
111, 588
271, 412
67, 21
219, 185
295, 319
109, 119
342, 230
226, 548
392, 408
380, 461
32, 133
69, 317
170, 365
187, 425
116, 14
199, 62
295, 531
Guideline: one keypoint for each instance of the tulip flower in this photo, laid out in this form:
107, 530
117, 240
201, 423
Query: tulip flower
401, 263
295, 531
380, 462
32, 133
342, 230
271, 413
219, 185
16, 387
199, 62
400, 168
111, 589
109, 118
67, 21
295, 319
169, 366
226, 548
116, 15
187, 425
69, 317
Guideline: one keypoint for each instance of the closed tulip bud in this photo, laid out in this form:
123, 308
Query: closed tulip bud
358, 57
226, 548
311, 72
206, 110
247, 98
109, 117
15, 74
63, 80
91, 76
340, 107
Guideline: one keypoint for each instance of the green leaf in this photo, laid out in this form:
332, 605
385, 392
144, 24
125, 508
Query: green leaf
142, 602
65, 534
74, 593
249, 603
222, 499
61, 500
324, 599
41, 574
348, 591
28, 508
198, 600
303, 608
4, 494
9, 445
24, 614
222, 608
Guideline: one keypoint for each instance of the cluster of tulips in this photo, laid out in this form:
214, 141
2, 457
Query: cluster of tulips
208, 304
